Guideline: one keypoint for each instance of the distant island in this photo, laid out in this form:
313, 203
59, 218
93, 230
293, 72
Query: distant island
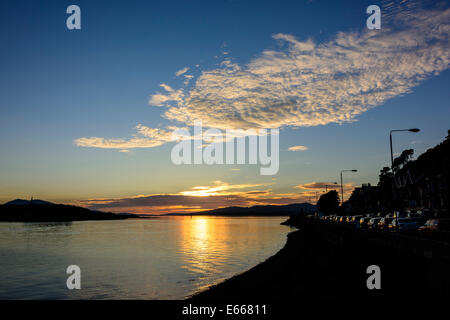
20, 210
255, 211
42, 211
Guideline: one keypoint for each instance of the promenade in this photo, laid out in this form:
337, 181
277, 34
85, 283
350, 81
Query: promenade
326, 262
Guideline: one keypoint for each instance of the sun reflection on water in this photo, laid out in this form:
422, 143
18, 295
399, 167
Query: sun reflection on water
204, 244
164, 258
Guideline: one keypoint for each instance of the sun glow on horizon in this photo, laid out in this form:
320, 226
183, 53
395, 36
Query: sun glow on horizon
219, 194
220, 188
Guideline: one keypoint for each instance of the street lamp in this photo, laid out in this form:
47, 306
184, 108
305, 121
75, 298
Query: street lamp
390, 140
342, 186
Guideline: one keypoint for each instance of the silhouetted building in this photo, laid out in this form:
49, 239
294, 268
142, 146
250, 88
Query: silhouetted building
424, 183
365, 199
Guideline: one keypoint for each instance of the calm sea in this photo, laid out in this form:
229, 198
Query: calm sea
163, 258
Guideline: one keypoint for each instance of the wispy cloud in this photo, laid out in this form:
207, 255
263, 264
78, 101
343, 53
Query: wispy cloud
309, 84
322, 186
161, 99
219, 188
166, 87
182, 71
145, 137
306, 83
218, 194
298, 148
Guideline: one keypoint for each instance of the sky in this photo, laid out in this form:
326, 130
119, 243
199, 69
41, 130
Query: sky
86, 116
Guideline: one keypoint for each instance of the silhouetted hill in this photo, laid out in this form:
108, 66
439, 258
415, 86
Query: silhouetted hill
128, 215
268, 210
21, 202
40, 211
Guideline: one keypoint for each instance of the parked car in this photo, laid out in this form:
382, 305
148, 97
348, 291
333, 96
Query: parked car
400, 214
419, 218
403, 224
413, 215
363, 222
436, 225
373, 223
384, 223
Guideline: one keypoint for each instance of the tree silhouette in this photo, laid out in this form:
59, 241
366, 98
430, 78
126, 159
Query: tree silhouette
386, 183
328, 202
385, 177
403, 159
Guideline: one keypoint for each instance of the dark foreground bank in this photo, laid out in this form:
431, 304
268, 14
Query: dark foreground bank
327, 262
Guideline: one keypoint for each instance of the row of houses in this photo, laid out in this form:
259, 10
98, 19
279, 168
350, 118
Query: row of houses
420, 184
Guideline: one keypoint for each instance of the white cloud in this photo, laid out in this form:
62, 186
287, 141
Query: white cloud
144, 138
166, 87
298, 148
305, 83
309, 84
161, 99
182, 71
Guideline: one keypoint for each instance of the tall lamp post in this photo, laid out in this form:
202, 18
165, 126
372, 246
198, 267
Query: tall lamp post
342, 185
390, 140
415, 130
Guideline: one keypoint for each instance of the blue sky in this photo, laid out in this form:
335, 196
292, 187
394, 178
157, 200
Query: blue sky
60, 85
